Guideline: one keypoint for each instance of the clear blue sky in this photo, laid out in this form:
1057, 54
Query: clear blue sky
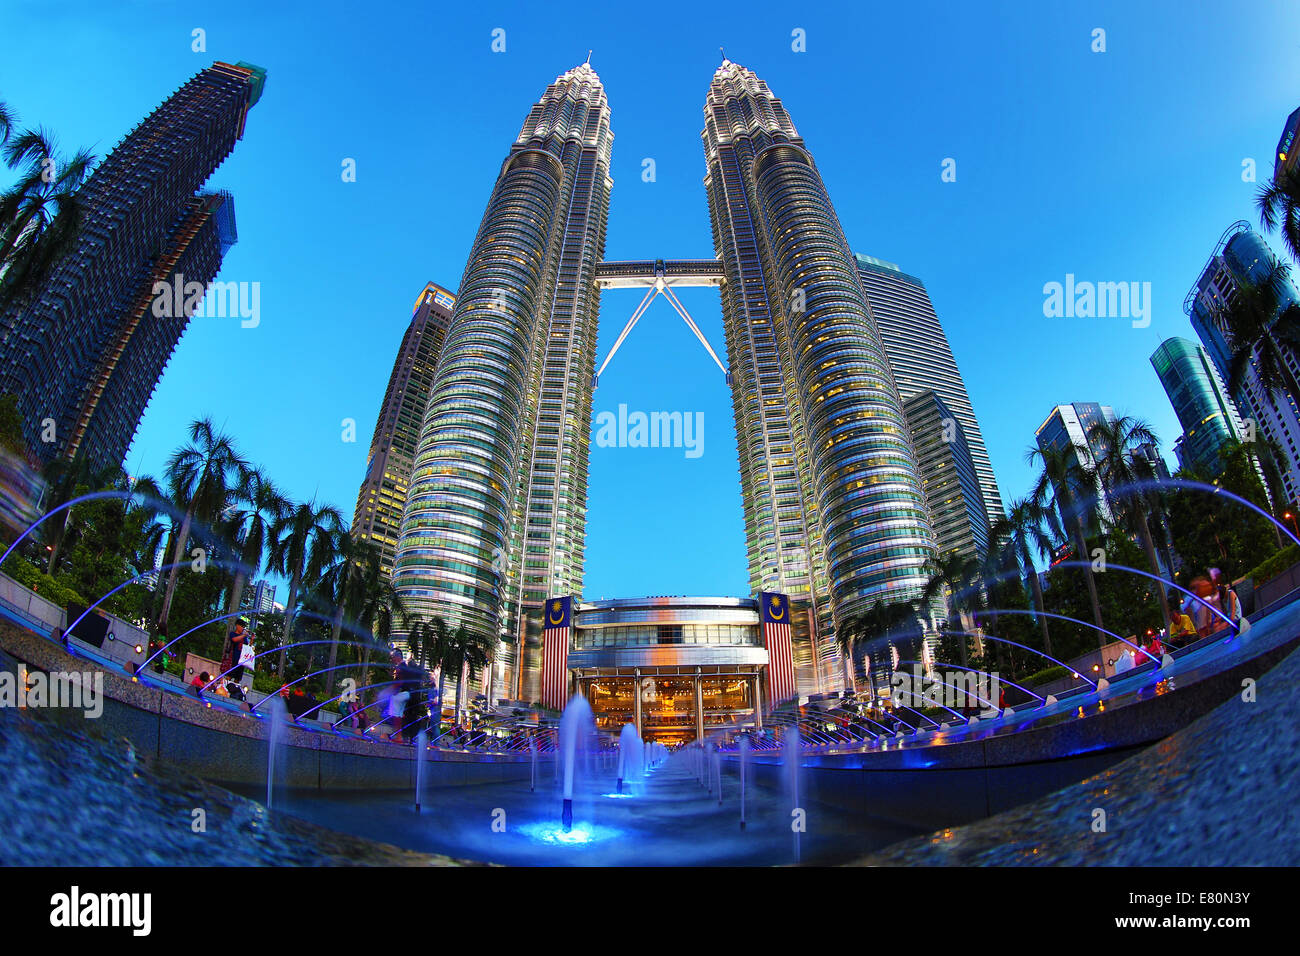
1116, 166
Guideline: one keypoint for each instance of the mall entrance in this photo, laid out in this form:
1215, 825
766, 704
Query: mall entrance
671, 704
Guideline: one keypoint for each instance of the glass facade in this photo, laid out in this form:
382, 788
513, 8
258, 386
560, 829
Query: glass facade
496, 510
948, 476
672, 666
922, 360
1200, 400
382, 497
834, 511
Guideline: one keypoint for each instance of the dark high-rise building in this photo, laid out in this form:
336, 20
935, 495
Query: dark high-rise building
948, 475
1069, 428
378, 517
1208, 415
835, 516
495, 515
87, 353
922, 360
1287, 152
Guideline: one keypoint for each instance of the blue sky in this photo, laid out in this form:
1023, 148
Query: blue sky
1117, 166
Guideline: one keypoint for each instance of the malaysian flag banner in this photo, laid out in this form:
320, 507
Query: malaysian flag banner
557, 620
774, 613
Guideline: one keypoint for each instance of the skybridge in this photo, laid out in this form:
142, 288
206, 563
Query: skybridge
659, 277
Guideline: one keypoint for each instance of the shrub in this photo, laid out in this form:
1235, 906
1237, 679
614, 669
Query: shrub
1275, 565
26, 574
1047, 675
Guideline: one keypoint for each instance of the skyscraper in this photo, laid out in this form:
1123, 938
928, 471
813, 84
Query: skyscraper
378, 516
1242, 255
834, 512
949, 477
921, 359
1286, 152
1069, 428
1196, 390
84, 354
496, 512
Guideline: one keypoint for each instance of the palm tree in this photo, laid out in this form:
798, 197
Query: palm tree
880, 620
959, 578
300, 549
199, 474
1120, 468
344, 580
1025, 536
466, 650
40, 215
1279, 205
1261, 327
65, 480
259, 505
1056, 496
430, 644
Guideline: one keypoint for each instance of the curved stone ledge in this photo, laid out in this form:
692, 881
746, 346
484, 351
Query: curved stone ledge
231, 748
953, 783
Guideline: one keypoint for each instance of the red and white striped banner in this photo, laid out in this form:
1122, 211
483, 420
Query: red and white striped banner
774, 612
556, 615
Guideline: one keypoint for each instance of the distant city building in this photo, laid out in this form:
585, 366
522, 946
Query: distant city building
1207, 414
1287, 150
378, 515
88, 351
1155, 461
948, 475
1068, 428
1242, 255
921, 359
258, 598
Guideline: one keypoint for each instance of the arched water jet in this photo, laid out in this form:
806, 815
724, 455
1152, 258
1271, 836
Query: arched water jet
1146, 574
991, 705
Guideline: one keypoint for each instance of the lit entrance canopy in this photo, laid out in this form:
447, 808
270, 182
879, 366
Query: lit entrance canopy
658, 276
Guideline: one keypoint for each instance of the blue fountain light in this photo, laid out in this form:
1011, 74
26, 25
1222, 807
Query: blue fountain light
582, 834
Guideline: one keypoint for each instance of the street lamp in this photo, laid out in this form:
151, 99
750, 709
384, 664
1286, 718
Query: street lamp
1290, 517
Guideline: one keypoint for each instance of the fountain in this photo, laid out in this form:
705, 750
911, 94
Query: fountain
790, 747
629, 754
532, 752
277, 730
575, 726
744, 762
717, 770
421, 751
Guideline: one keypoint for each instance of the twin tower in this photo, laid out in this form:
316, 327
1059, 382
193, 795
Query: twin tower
495, 517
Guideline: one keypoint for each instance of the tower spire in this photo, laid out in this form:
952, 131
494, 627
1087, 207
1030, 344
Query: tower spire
588, 58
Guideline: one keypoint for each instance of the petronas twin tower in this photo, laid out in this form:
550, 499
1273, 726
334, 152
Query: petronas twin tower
495, 517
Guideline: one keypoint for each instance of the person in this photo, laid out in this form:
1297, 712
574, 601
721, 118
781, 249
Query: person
1181, 626
199, 683
1125, 662
300, 702
1228, 601
237, 636
1206, 606
1154, 649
